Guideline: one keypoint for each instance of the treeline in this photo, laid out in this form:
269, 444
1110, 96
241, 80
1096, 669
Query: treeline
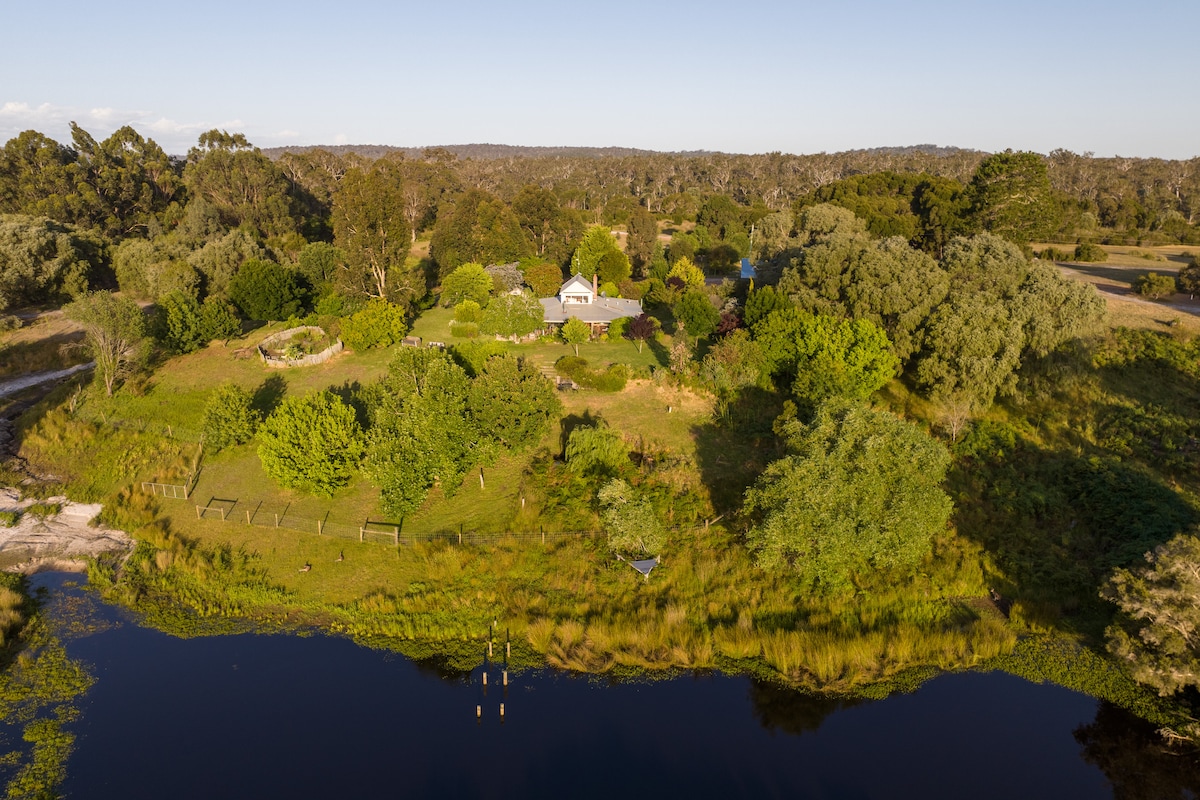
121, 212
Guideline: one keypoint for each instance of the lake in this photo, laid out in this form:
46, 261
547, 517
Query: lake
257, 716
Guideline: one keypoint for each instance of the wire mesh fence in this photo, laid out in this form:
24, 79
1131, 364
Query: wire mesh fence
264, 515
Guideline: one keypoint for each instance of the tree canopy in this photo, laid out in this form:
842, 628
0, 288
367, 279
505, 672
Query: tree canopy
859, 492
311, 443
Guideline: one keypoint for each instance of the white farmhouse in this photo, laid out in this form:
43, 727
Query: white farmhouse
578, 298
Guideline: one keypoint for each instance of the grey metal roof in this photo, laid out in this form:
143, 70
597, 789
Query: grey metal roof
604, 309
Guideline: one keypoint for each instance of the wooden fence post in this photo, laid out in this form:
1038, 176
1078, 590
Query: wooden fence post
320, 525
247, 516
276, 520
360, 534
197, 512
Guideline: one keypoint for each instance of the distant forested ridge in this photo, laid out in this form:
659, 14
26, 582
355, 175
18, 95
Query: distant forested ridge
122, 213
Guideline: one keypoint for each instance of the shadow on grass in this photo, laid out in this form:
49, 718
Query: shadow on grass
588, 419
269, 394
1058, 523
733, 450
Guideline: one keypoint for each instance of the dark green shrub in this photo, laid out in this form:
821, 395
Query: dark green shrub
572, 367
612, 379
1090, 253
9, 518
1154, 286
264, 290
229, 418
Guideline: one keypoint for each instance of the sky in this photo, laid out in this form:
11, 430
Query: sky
744, 77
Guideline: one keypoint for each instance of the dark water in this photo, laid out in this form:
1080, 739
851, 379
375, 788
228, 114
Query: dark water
276, 716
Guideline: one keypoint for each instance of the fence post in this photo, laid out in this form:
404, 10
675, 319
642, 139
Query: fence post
320, 525
276, 520
197, 512
360, 534
247, 516
481, 477
396, 534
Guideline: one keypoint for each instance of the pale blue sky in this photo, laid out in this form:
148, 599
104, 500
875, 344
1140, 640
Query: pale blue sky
745, 76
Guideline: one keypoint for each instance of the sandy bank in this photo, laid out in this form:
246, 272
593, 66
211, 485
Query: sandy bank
59, 541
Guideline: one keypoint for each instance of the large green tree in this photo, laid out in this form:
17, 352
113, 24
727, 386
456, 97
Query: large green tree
859, 492
468, 281
421, 433
43, 261
371, 227
128, 182
264, 290
1010, 196
630, 521
311, 443
825, 356
513, 316
239, 184
229, 417
512, 402
599, 253
478, 227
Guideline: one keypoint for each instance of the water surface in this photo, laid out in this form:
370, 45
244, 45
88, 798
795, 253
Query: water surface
253, 716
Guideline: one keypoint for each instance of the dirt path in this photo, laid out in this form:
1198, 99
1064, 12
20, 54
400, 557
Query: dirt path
14, 385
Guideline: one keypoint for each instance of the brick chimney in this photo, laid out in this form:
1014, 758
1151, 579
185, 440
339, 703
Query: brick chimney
595, 291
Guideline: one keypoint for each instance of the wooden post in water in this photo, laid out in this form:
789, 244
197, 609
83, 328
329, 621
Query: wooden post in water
505, 673
502, 712
485, 677
478, 712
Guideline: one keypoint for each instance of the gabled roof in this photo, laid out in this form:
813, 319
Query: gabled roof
605, 309
577, 283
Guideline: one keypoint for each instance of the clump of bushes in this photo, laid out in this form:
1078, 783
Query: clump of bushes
1154, 286
464, 330
577, 369
378, 324
1090, 253
1054, 254
9, 518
